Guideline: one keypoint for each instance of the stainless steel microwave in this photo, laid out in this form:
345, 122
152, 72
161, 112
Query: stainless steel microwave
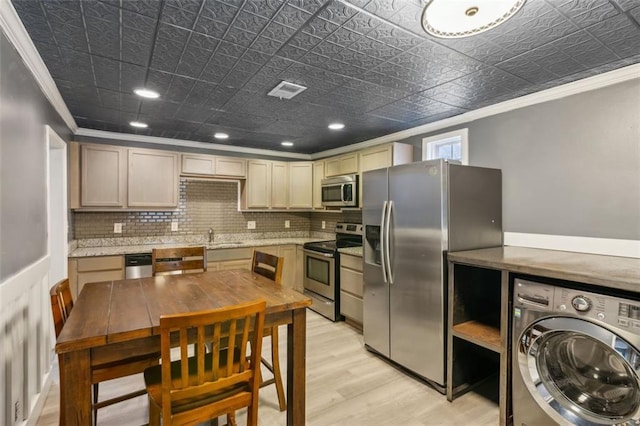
340, 191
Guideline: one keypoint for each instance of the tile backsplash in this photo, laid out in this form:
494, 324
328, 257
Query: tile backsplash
203, 204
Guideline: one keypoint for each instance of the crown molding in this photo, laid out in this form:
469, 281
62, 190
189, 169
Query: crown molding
129, 137
19, 38
599, 81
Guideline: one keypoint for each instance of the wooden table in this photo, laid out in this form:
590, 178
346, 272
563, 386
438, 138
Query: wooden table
115, 319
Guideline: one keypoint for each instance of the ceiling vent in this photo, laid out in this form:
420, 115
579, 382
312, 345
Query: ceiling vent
286, 90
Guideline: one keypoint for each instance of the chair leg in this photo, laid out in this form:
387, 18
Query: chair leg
154, 414
95, 402
277, 375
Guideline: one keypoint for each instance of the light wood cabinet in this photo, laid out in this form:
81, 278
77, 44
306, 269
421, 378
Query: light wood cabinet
213, 165
381, 156
103, 175
276, 185
152, 178
341, 165
279, 185
351, 287
385, 155
318, 175
114, 177
257, 188
85, 270
240, 258
301, 185
231, 167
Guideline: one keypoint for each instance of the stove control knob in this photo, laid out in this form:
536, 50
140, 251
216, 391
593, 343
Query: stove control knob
563, 307
581, 303
600, 316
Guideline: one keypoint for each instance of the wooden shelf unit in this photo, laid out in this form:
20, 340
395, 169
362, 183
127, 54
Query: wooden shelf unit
478, 331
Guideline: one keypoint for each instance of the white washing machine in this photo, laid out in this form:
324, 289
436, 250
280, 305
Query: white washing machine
576, 357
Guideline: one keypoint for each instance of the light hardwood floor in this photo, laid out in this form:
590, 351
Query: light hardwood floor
346, 385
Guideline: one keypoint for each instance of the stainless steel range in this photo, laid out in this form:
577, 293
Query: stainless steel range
322, 269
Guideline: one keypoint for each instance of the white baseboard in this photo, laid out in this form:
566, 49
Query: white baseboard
606, 246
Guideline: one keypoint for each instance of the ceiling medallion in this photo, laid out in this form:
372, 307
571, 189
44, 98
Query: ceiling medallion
464, 18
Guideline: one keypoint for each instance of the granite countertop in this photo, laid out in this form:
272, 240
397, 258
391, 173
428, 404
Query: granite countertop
353, 251
608, 271
111, 247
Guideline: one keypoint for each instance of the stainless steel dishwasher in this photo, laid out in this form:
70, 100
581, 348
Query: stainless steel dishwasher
137, 265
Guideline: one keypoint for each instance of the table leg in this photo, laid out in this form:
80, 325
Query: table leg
75, 387
296, 372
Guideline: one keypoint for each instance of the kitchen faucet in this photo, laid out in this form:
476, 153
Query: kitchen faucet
211, 235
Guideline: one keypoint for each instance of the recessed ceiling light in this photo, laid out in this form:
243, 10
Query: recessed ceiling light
336, 126
221, 136
464, 18
145, 93
139, 124
286, 143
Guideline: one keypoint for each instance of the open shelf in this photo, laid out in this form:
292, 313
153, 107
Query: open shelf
480, 333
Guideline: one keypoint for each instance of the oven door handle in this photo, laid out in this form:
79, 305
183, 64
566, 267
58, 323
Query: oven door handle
318, 253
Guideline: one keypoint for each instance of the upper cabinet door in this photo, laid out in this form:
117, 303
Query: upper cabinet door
153, 178
194, 164
279, 185
341, 165
103, 175
232, 167
301, 185
258, 185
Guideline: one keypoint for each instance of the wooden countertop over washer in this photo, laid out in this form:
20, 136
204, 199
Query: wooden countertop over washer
615, 272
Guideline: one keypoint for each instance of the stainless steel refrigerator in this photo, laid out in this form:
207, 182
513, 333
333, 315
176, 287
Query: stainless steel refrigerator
413, 215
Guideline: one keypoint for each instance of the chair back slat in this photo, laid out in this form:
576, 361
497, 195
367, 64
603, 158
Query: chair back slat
267, 265
178, 260
230, 332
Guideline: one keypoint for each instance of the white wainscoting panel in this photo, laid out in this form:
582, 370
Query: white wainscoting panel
25, 353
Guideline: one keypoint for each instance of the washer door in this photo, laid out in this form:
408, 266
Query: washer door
580, 373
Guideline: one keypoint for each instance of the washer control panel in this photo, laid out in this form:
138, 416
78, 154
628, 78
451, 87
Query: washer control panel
611, 310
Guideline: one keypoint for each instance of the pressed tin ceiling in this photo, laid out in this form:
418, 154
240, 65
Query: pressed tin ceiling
365, 63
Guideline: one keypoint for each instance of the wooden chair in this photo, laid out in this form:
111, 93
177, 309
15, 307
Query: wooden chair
61, 306
194, 389
270, 266
178, 260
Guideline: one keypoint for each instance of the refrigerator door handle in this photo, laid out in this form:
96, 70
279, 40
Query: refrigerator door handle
388, 239
382, 243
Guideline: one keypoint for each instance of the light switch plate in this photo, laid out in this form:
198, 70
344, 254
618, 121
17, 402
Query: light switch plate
174, 226
287, 224
251, 224
324, 224
117, 228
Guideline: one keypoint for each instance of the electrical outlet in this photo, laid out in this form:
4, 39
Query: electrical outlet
251, 224
174, 226
117, 228
287, 224
324, 224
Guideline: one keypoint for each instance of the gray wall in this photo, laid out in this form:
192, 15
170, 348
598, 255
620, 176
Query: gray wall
24, 112
570, 166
